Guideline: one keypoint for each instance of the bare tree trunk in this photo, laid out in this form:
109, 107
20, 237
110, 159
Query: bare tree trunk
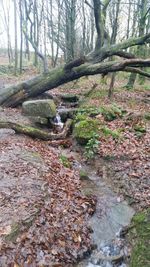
21, 35
52, 32
84, 28
16, 44
6, 14
35, 34
129, 19
92, 30
142, 24
58, 32
113, 41
111, 87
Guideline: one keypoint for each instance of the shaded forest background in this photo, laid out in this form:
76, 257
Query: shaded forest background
48, 33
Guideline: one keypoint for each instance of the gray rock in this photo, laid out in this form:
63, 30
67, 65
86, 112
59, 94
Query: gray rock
40, 108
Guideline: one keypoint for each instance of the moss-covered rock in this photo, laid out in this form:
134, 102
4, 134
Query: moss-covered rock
40, 108
85, 129
139, 236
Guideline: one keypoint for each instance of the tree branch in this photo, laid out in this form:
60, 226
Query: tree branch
88, 4
124, 54
138, 71
104, 52
75, 63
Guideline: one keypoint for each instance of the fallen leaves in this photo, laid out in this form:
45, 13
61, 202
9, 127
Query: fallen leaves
128, 161
57, 235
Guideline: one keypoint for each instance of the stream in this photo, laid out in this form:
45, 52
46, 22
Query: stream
111, 216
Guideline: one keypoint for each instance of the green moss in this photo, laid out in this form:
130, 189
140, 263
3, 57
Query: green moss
98, 94
146, 87
108, 132
64, 160
89, 111
85, 129
140, 238
147, 116
83, 175
112, 112
140, 130
80, 117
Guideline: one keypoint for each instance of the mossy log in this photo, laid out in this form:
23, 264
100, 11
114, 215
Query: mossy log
17, 94
91, 64
35, 132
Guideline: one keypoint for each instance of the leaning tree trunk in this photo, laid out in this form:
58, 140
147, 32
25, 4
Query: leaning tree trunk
90, 65
15, 95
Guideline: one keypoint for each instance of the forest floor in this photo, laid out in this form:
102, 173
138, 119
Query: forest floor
128, 157
44, 209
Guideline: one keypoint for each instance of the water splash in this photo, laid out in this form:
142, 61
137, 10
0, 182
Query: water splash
58, 122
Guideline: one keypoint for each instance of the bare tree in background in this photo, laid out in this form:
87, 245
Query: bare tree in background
115, 26
16, 41
32, 32
6, 23
142, 12
21, 34
96, 62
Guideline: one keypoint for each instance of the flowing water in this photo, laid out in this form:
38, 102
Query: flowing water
111, 216
58, 122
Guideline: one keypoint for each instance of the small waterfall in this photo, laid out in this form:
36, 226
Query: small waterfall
58, 122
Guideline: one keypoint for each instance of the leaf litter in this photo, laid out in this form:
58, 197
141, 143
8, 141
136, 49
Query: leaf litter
43, 212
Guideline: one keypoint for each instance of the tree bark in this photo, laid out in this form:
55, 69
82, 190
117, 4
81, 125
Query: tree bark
35, 132
15, 95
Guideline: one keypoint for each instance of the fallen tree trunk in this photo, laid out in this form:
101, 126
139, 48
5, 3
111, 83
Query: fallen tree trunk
15, 95
35, 132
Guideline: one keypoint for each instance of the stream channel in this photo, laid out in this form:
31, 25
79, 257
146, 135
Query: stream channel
112, 215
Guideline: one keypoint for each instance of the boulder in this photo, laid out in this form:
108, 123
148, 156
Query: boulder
85, 129
40, 108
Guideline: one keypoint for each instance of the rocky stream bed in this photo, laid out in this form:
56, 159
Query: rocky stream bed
112, 213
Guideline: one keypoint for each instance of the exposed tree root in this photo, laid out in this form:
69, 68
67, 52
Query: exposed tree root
35, 132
